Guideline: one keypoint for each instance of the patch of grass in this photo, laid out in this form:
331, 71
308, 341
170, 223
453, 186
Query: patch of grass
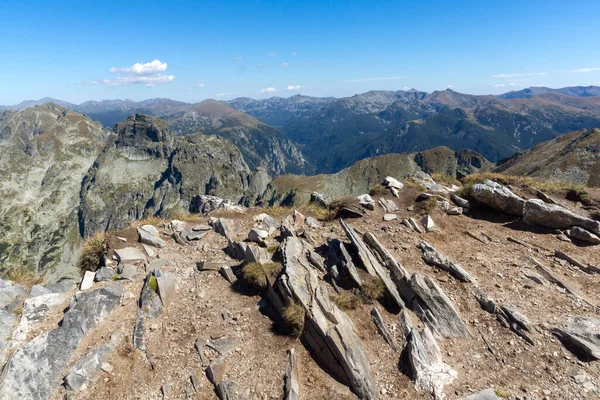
465, 190
503, 393
153, 283
256, 274
550, 185
427, 206
91, 252
294, 316
346, 300
373, 289
445, 178
379, 190
273, 249
579, 194
17, 312
23, 277
182, 215
338, 204
115, 276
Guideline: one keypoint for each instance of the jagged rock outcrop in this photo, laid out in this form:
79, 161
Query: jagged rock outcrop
147, 171
433, 257
536, 212
45, 153
24, 377
582, 336
328, 331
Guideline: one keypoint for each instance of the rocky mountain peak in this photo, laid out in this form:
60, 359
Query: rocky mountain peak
140, 128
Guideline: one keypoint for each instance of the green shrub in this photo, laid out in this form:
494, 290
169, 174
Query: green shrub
153, 283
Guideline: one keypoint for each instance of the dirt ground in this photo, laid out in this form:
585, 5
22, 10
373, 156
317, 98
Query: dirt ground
207, 307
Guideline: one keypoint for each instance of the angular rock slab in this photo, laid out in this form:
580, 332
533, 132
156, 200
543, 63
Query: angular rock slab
536, 212
498, 197
89, 366
129, 254
582, 335
292, 384
33, 371
435, 309
328, 331
150, 239
583, 235
35, 309
433, 257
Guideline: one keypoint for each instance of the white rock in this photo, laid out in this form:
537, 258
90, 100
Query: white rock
88, 280
390, 217
149, 250
393, 183
428, 224
129, 254
150, 229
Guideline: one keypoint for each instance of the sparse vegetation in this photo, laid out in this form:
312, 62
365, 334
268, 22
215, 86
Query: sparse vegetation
580, 194
91, 252
183, 215
346, 300
256, 273
22, 276
445, 179
273, 249
465, 190
154, 221
294, 315
517, 181
373, 288
379, 190
503, 393
427, 206
153, 283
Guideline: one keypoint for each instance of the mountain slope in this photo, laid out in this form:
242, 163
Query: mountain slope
573, 157
261, 144
576, 91
46, 152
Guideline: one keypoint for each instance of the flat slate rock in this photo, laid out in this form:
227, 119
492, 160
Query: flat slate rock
129, 254
150, 239
224, 345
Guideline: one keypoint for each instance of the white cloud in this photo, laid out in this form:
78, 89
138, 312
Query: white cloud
134, 79
294, 87
152, 67
294, 54
285, 64
238, 58
584, 70
268, 90
271, 54
148, 74
519, 74
201, 85
384, 78
450, 86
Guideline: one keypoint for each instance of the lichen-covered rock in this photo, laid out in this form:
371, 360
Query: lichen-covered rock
536, 212
498, 197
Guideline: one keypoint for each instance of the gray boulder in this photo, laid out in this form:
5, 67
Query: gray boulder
366, 201
583, 235
258, 236
487, 394
498, 197
292, 384
129, 254
11, 295
224, 227
89, 366
22, 376
536, 212
104, 274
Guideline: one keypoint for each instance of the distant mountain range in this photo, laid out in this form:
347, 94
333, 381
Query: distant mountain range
328, 134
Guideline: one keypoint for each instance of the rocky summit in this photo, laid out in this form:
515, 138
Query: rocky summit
479, 292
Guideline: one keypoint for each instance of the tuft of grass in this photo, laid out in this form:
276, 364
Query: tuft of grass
256, 273
153, 283
91, 252
346, 300
273, 249
503, 393
379, 190
427, 206
294, 315
579, 194
23, 277
445, 178
183, 215
17, 312
465, 190
373, 289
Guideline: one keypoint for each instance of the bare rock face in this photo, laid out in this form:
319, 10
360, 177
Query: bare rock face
433, 257
434, 308
583, 235
498, 197
328, 331
427, 369
22, 376
536, 212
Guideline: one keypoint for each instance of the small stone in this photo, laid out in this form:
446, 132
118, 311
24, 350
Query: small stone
228, 274
87, 281
390, 217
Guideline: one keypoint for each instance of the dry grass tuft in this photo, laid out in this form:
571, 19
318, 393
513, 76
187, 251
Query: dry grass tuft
503, 179
91, 252
346, 300
256, 273
183, 215
426, 206
445, 179
373, 289
154, 221
379, 190
294, 315
23, 277
580, 194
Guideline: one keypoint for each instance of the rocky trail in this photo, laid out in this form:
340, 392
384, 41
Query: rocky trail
424, 295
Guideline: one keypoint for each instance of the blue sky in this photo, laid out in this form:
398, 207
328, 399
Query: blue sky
94, 50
